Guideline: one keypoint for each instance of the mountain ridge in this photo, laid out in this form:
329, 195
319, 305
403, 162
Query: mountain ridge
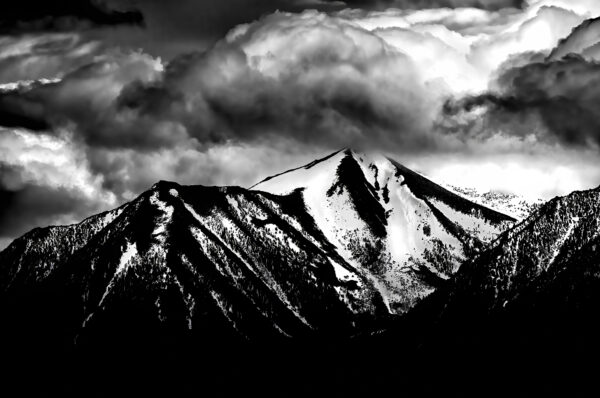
266, 263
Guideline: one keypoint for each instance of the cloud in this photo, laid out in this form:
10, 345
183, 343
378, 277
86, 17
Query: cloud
351, 78
341, 84
44, 56
583, 40
85, 98
179, 26
424, 4
45, 180
544, 174
22, 16
554, 98
538, 32
557, 101
169, 29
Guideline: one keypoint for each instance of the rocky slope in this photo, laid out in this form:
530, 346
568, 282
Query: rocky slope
553, 247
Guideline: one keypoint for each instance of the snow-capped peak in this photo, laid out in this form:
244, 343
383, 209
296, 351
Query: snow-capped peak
392, 224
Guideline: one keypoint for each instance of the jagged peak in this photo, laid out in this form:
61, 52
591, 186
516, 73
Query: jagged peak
328, 164
376, 169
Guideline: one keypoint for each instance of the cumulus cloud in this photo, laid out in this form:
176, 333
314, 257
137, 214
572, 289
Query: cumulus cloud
554, 98
341, 84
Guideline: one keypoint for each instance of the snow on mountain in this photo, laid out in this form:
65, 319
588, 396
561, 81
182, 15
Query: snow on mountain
392, 225
513, 205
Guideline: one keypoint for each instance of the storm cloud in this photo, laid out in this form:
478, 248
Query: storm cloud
22, 16
341, 85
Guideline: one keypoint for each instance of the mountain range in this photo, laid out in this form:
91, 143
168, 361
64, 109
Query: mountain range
353, 247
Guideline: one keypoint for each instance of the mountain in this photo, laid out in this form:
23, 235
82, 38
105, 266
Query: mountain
333, 248
380, 278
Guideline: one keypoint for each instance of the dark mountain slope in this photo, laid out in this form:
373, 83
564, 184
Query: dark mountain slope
189, 259
522, 317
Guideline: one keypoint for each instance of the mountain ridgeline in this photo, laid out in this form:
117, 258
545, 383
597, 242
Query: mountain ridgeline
353, 247
352, 243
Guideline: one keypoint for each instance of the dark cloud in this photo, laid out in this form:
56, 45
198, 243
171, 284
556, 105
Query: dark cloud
328, 94
15, 111
177, 26
25, 205
563, 95
60, 15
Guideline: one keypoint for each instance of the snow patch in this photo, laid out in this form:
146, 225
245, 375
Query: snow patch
561, 242
162, 221
342, 274
129, 253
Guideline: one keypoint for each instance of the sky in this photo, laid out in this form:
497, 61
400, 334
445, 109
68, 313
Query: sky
101, 99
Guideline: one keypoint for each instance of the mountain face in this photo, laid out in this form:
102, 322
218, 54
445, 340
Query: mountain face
332, 248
